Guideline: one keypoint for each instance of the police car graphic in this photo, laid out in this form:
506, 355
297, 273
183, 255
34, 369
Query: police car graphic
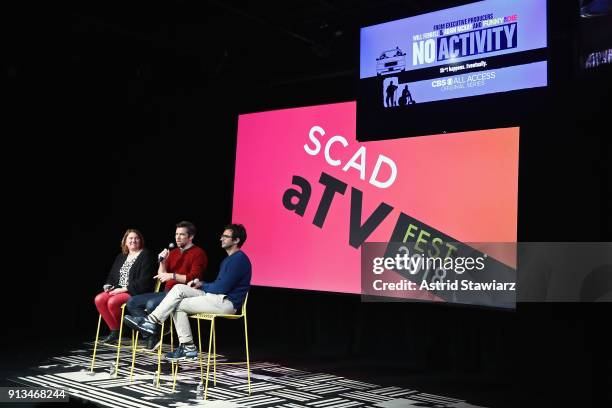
391, 61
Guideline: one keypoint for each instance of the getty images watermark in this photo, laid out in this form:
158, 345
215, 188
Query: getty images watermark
439, 271
488, 274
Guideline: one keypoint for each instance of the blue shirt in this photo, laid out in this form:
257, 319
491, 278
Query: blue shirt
233, 280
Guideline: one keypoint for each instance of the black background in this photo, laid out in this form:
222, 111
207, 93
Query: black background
124, 116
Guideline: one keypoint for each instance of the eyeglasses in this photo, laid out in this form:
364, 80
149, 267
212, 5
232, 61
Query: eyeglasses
226, 236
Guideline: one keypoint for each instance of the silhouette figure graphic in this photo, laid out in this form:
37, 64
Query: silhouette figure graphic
406, 97
390, 100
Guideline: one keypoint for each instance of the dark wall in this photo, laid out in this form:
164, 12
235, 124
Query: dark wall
109, 131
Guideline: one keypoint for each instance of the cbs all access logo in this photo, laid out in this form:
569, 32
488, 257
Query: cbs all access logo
463, 81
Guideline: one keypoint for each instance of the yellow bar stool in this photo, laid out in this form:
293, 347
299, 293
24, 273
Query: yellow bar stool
136, 349
213, 344
118, 345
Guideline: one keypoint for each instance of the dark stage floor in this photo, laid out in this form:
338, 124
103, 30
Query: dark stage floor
427, 389
348, 375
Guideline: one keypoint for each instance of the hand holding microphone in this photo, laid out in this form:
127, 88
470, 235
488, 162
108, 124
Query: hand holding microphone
163, 254
196, 284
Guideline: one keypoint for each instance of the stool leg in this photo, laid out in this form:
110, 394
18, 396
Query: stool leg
134, 345
171, 336
120, 337
93, 358
212, 329
246, 340
200, 354
174, 374
172, 367
161, 342
215, 357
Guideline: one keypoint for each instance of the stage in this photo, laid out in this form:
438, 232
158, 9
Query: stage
272, 384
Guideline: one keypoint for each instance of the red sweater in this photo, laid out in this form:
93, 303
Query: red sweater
191, 262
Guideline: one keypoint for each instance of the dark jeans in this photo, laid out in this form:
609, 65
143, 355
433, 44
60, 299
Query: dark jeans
142, 305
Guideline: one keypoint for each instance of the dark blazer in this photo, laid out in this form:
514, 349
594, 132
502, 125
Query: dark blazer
141, 273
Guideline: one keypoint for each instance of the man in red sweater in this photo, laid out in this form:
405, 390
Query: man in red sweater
183, 264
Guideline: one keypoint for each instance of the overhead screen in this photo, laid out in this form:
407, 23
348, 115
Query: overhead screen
595, 35
482, 48
311, 195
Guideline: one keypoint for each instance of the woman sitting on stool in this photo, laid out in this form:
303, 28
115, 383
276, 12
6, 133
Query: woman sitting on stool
131, 274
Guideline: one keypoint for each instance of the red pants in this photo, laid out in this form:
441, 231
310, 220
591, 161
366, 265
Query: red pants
110, 308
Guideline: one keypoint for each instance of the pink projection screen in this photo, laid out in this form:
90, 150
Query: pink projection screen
301, 177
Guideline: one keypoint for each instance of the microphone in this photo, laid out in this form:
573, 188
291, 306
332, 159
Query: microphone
170, 247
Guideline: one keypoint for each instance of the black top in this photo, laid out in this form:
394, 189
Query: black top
141, 273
